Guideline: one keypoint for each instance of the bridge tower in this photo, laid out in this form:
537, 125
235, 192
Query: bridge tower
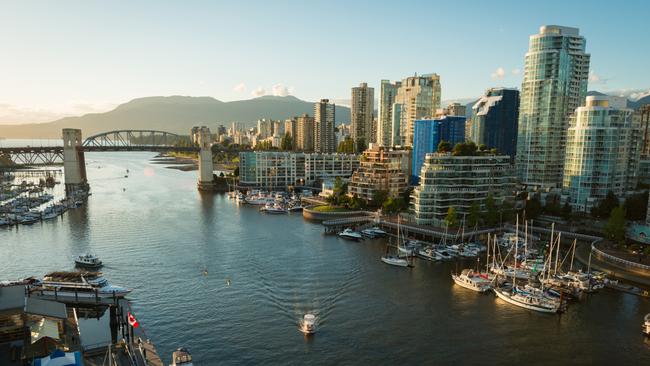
74, 163
206, 166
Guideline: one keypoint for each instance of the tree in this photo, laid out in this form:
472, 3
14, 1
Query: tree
452, 218
636, 206
357, 203
346, 146
605, 207
379, 197
287, 142
491, 212
615, 228
236, 172
393, 205
474, 215
464, 149
444, 146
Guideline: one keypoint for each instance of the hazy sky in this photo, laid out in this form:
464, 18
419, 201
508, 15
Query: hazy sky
72, 57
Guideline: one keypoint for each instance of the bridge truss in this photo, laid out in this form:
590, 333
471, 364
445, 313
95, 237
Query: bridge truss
34, 155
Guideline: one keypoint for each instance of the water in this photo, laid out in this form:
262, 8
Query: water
157, 234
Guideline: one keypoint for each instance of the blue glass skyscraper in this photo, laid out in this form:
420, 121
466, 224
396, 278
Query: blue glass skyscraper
494, 120
427, 135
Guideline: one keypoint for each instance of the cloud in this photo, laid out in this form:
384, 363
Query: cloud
239, 88
597, 79
516, 71
631, 94
500, 73
279, 90
258, 92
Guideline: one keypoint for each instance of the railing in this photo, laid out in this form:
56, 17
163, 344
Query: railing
610, 258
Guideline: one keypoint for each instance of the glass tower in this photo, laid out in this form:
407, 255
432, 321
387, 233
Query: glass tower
555, 84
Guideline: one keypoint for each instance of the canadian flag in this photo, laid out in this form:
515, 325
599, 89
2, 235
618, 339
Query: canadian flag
132, 321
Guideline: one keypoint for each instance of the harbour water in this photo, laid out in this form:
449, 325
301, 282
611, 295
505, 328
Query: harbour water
157, 235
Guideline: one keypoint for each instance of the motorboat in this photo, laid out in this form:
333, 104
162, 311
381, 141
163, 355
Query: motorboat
427, 254
273, 209
77, 285
308, 324
527, 300
350, 234
444, 255
88, 261
469, 280
377, 231
646, 324
181, 357
395, 260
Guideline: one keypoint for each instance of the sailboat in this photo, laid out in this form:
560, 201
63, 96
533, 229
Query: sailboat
395, 259
526, 299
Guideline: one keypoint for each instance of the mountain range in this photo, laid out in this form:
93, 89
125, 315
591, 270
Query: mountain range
179, 113
173, 114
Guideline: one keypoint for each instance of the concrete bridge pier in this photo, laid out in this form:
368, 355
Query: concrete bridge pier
74, 163
206, 166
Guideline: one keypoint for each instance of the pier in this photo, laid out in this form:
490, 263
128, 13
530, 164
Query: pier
424, 233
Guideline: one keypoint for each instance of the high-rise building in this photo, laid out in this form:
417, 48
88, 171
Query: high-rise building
304, 133
264, 128
324, 137
362, 113
602, 152
382, 169
290, 127
555, 83
460, 182
643, 117
388, 92
429, 133
395, 128
277, 128
455, 109
494, 120
419, 97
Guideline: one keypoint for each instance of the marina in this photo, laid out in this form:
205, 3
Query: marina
179, 250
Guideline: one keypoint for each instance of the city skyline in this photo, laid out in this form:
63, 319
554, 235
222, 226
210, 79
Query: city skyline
174, 49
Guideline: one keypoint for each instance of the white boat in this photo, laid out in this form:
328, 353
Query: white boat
469, 280
82, 285
350, 234
377, 231
395, 260
427, 254
181, 357
88, 261
398, 260
646, 324
273, 209
308, 324
527, 300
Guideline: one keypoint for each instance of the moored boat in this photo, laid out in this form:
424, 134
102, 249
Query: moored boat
469, 280
350, 234
527, 300
77, 285
646, 324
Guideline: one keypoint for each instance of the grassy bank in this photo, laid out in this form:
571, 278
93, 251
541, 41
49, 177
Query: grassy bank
327, 208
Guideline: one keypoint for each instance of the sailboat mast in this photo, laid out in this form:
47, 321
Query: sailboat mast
514, 271
573, 253
557, 254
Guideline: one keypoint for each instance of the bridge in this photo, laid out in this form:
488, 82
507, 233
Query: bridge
71, 154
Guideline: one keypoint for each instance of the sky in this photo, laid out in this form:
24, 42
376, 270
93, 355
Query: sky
66, 57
